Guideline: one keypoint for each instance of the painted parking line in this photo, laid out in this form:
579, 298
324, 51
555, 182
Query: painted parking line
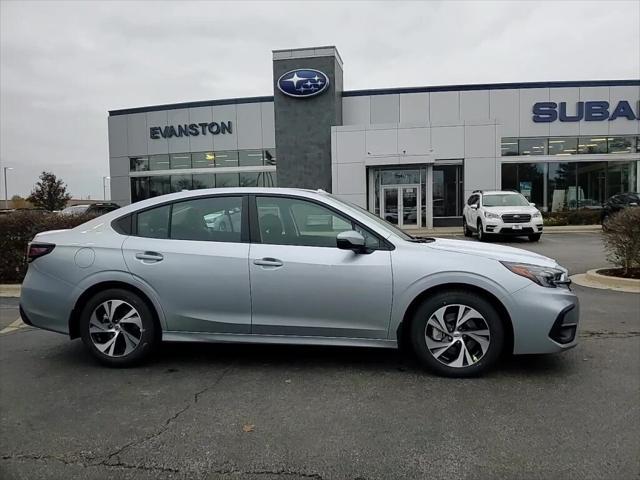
17, 325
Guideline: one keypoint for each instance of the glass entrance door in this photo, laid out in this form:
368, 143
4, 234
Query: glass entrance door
401, 205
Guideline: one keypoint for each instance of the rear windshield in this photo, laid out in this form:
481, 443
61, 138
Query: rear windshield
505, 200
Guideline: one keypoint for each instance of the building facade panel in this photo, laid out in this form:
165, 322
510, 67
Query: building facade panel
385, 109
444, 108
504, 107
474, 105
249, 126
201, 143
157, 146
179, 118
414, 108
137, 134
356, 110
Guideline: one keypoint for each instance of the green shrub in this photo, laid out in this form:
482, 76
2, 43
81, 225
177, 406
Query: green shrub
16, 231
622, 239
584, 216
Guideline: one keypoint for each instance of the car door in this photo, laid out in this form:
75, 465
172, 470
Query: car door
197, 267
303, 285
471, 213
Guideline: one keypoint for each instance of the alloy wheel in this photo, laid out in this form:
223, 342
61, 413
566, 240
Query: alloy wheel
115, 328
457, 335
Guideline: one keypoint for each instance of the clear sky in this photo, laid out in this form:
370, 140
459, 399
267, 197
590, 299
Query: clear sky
63, 65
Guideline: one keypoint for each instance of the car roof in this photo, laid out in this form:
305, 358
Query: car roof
499, 192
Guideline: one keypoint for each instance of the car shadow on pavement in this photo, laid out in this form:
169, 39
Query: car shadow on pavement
183, 356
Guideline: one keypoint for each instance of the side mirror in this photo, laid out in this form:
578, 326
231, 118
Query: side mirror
351, 240
532, 204
474, 206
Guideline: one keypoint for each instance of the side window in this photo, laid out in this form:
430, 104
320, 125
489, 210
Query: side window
291, 221
213, 219
472, 200
154, 223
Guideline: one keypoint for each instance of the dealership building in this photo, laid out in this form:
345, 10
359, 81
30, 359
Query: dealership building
411, 155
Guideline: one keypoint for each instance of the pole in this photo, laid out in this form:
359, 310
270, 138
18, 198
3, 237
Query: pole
104, 187
6, 194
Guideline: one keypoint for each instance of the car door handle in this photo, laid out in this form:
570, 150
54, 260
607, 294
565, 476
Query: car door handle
268, 262
149, 256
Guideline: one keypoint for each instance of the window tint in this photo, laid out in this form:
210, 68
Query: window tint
214, 219
290, 221
473, 199
154, 223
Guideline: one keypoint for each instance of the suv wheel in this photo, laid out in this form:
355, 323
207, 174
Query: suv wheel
117, 327
457, 334
535, 237
465, 228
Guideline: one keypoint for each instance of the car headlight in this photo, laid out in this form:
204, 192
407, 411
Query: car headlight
543, 276
537, 214
491, 215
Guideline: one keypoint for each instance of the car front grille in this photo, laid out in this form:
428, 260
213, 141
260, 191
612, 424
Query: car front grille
516, 218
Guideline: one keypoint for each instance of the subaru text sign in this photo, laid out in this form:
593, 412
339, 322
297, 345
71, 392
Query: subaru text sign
303, 82
593, 111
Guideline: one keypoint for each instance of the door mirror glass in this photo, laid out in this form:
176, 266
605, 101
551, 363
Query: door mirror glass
351, 240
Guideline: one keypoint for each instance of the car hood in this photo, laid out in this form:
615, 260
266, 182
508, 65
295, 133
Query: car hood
496, 252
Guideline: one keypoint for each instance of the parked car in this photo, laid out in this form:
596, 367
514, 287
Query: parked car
91, 209
616, 203
503, 213
145, 273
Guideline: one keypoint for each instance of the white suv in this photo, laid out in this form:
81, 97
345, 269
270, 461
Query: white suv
503, 213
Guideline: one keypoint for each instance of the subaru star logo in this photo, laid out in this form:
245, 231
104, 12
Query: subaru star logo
304, 82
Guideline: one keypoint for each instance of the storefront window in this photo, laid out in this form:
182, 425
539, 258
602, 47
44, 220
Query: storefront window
181, 182
621, 144
139, 164
250, 158
561, 189
591, 188
250, 179
509, 147
622, 177
227, 159
181, 160
447, 191
563, 146
139, 188
592, 145
204, 180
532, 146
159, 162
159, 185
399, 176
526, 178
203, 160
227, 180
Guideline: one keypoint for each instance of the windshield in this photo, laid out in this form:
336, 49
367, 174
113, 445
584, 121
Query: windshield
505, 200
376, 219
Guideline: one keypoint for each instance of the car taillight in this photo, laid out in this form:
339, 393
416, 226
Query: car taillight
37, 250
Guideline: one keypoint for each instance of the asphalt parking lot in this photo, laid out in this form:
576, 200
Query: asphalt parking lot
271, 412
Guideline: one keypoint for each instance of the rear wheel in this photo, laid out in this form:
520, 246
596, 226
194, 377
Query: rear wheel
117, 327
535, 237
457, 334
465, 228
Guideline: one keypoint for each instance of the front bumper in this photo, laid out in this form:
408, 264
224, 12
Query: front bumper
500, 228
545, 320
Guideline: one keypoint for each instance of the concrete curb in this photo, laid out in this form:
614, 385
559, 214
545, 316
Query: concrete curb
10, 291
547, 230
593, 279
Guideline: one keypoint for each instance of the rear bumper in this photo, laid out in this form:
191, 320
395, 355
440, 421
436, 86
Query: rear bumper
545, 320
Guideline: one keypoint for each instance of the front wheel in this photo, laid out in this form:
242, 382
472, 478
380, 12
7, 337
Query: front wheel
482, 236
465, 228
117, 327
457, 334
535, 237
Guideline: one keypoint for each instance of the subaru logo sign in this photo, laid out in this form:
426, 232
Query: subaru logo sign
304, 82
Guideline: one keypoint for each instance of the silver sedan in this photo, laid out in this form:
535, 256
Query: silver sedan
288, 266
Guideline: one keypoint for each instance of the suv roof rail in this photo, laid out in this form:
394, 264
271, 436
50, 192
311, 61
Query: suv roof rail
477, 191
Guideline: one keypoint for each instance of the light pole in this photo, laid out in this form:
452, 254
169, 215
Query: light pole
104, 186
6, 194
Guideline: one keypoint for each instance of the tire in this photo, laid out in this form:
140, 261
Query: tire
465, 228
535, 237
113, 341
482, 236
452, 361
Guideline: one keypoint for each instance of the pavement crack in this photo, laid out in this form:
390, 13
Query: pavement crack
128, 466
607, 334
116, 454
